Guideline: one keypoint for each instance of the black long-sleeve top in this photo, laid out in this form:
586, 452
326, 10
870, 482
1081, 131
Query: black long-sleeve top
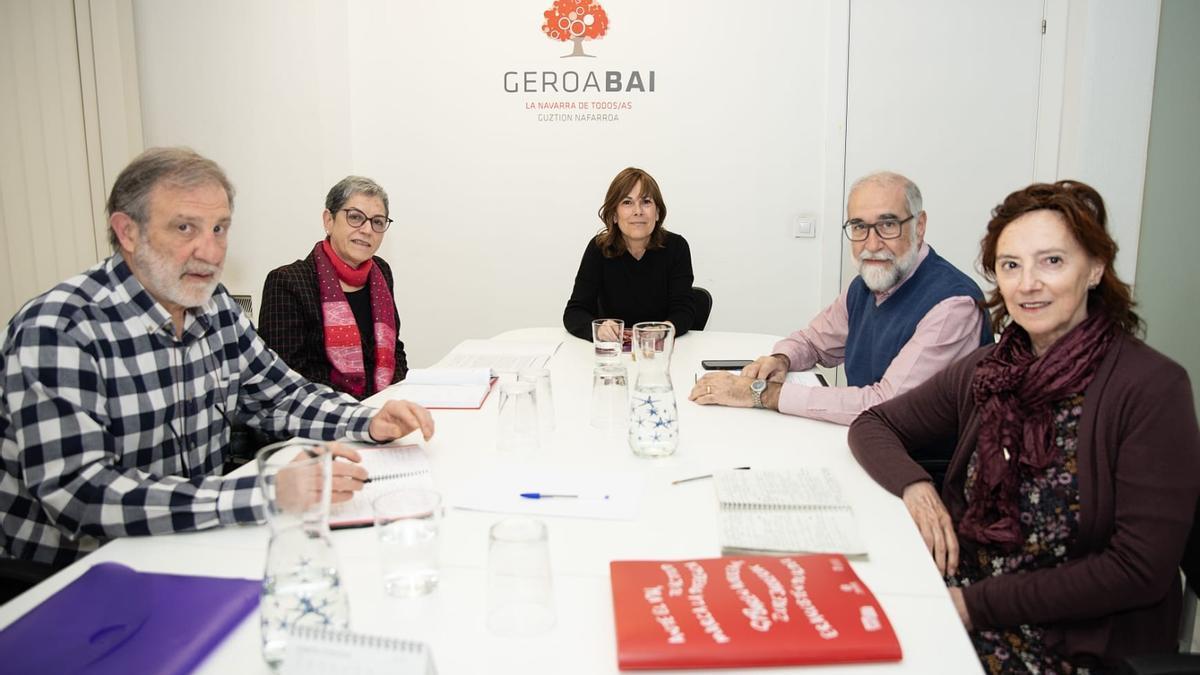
656, 288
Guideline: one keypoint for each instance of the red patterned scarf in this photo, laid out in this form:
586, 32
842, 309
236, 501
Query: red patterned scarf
343, 342
1016, 392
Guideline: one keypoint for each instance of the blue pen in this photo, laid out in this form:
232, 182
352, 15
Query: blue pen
544, 495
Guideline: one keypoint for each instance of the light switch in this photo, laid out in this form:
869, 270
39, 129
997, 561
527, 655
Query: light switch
806, 226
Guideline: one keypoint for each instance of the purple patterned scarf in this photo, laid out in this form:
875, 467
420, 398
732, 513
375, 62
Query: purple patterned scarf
1015, 392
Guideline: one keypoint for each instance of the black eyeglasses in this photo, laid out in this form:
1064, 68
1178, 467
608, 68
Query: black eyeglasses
886, 228
356, 219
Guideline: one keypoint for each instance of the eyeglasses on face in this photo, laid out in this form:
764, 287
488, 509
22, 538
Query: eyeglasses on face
356, 219
885, 228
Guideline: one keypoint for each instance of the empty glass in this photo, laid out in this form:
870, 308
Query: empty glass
608, 349
543, 396
301, 583
610, 398
653, 416
520, 596
407, 522
517, 425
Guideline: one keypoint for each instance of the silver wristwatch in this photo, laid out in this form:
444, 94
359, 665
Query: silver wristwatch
757, 388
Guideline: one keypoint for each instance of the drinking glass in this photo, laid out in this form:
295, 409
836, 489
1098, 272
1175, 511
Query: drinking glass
608, 351
407, 522
542, 394
517, 426
301, 584
520, 596
610, 398
653, 416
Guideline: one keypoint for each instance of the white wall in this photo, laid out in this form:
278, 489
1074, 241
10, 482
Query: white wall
1106, 110
492, 207
1167, 275
746, 132
262, 88
952, 104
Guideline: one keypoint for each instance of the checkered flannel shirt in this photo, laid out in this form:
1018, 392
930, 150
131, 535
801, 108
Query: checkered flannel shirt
110, 426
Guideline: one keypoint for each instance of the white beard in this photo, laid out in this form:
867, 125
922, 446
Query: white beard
880, 278
164, 280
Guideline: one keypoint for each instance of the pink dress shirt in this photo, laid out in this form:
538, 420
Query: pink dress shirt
949, 331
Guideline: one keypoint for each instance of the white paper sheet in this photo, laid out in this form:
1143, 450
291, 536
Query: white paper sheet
611, 495
500, 355
439, 388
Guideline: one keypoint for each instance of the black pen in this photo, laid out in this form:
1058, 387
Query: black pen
707, 475
391, 476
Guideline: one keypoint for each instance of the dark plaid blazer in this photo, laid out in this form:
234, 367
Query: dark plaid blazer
289, 321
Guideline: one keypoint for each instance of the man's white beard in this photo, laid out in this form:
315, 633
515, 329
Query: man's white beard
165, 281
880, 278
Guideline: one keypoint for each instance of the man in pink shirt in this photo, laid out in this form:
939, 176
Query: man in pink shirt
907, 315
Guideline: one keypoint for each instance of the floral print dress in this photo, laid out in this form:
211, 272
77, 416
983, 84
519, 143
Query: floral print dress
1049, 507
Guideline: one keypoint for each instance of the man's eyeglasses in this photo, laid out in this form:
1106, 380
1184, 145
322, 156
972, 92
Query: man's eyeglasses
886, 228
356, 219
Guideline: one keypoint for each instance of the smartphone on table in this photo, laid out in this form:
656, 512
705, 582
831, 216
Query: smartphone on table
725, 364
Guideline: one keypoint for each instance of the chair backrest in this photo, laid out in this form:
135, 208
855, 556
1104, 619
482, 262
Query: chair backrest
1189, 630
703, 307
1191, 555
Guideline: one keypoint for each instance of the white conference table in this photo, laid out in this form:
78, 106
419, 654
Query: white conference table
674, 522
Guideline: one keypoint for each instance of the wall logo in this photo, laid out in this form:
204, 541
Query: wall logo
575, 21
575, 93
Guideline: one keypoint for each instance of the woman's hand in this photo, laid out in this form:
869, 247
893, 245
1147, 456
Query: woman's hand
608, 331
960, 604
934, 523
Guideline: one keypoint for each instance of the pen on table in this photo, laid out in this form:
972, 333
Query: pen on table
707, 475
543, 495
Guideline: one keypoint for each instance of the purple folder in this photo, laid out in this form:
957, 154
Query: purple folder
116, 620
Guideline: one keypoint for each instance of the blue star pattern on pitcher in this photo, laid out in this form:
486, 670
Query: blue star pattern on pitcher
309, 593
654, 421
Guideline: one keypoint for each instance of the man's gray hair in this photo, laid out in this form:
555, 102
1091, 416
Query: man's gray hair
354, 185
912, 193
177, 167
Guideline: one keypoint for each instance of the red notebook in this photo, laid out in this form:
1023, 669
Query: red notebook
746, 611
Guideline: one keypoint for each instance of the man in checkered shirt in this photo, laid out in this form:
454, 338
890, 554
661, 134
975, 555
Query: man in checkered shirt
118, 386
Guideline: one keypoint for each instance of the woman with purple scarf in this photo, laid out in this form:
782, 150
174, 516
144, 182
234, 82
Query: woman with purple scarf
1076, 456
331, 316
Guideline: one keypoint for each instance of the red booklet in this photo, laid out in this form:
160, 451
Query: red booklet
746, 611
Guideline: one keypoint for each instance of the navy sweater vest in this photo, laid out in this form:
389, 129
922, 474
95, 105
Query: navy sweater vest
878, 333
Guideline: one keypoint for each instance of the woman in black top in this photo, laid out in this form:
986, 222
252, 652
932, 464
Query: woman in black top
633, 269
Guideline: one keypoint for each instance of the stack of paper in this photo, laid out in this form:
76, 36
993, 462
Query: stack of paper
500, 355
440, 388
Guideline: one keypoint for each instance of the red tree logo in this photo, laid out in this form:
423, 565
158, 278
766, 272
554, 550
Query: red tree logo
575, 20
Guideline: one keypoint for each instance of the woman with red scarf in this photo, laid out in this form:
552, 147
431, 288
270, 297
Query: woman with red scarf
1076, 456
332, 316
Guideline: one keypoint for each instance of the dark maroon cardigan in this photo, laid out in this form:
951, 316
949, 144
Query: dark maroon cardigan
1139, 478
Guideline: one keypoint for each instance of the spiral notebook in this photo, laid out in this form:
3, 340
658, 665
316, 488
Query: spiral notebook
792, 511
388, 467
319, 651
